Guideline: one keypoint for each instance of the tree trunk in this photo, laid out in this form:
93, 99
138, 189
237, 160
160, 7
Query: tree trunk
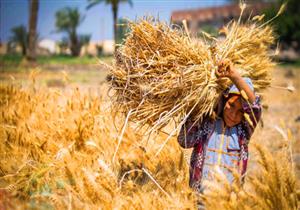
33, 18
75, 48
24, 50
115, 17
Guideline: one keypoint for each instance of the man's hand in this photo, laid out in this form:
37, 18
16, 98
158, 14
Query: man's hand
226, 69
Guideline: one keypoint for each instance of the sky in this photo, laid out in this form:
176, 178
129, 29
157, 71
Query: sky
98, 20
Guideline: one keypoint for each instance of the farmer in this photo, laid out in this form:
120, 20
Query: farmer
221, 144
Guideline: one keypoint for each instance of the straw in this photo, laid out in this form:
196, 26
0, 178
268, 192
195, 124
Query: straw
161, 73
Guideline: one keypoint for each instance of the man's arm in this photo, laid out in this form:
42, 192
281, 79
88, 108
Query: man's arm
226, 69
242, 85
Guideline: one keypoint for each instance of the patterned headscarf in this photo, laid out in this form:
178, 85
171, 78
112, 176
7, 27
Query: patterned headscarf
231, 90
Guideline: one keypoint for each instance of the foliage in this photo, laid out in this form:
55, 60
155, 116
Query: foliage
84, 39
122, 30
287, 25
20, 37
12, 61
67, 20
63, 45
99, 48
115, 7
210, 29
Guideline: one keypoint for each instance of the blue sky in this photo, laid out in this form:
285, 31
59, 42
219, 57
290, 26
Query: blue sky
98, 20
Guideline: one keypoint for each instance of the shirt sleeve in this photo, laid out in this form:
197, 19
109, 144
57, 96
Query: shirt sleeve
192, 133
252, 114
244, 155
253, 110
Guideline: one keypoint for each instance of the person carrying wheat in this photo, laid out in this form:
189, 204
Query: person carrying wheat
222, 143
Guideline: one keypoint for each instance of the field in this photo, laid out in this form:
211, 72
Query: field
62, 148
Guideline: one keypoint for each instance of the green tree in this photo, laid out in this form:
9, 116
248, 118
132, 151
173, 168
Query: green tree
67, 20
20, 37
210, 29
287, 25
84, 41
33, 18
115, 8
250, 1
122, 30
63, 45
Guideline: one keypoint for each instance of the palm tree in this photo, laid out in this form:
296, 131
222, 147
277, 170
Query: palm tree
122, 30
114, 7
84, 41
63, 45
20, 37
33, 18
67, 20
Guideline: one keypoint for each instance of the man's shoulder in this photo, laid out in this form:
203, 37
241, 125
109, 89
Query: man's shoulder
208, 126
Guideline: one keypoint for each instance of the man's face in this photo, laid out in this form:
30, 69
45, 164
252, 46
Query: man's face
233, 111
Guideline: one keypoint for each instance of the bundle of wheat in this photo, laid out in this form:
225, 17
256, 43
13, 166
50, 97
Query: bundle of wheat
247, 46
162, 74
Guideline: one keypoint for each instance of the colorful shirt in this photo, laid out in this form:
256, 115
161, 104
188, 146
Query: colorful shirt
214, 144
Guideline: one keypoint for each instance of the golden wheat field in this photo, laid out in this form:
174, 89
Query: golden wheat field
62, 148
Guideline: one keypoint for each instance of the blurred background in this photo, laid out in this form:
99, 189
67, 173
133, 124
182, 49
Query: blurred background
64, 42
74, 34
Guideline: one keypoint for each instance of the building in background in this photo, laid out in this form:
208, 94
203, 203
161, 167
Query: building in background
214, 17
46, 47
3, 48
97, 48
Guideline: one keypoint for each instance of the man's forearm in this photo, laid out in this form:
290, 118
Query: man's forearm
242, 85
226, 69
